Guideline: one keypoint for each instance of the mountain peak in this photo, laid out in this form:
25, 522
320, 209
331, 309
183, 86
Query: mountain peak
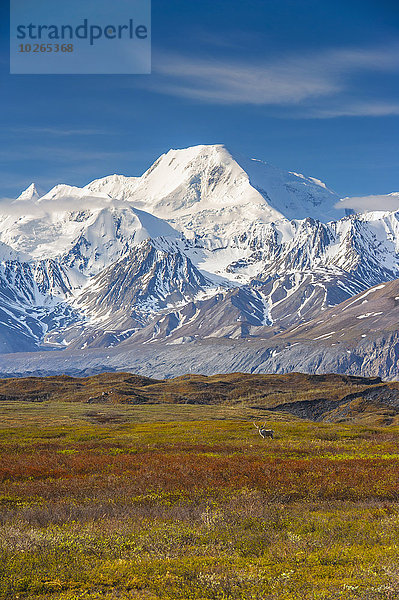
210, 190
31, 193
223, 186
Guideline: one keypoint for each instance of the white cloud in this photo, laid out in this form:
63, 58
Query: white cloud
287, 81
371, 203
232, 83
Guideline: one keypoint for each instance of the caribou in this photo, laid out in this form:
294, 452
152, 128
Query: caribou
264, 433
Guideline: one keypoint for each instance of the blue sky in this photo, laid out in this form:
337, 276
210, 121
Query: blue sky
307, 85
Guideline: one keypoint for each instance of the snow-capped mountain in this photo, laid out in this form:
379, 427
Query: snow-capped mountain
86, 235
124, 297
287, 273
31, 303
205, 245
204, 190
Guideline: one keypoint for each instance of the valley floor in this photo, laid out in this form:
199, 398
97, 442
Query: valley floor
180, 502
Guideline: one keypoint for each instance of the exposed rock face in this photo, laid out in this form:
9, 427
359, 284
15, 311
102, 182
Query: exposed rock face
370, 358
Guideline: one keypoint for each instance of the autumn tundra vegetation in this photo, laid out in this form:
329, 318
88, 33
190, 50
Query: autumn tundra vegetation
165, 490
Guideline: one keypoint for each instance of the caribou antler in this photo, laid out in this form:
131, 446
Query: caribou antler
264, 433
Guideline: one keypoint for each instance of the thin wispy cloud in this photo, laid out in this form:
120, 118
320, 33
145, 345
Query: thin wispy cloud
57, 131
357, 109
56, 153
240, 83
290, 81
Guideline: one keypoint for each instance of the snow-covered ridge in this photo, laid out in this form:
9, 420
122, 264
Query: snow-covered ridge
94, 233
